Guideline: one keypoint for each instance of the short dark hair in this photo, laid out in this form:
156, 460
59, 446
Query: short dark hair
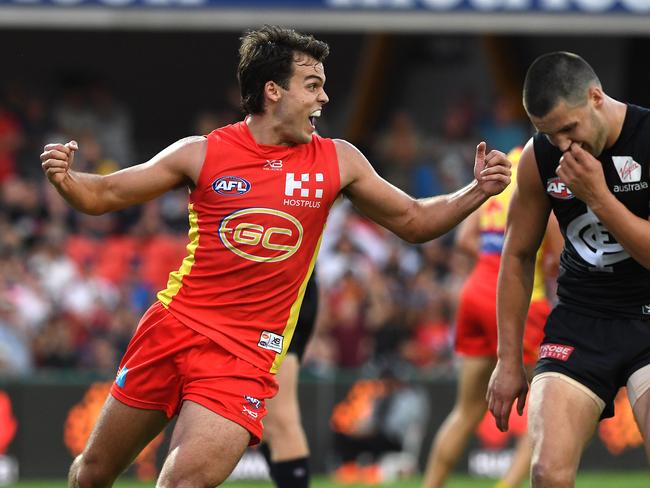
267, 54
555, 77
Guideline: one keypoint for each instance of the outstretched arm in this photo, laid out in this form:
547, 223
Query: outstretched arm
94, 194
584, 175
527, 220
418, 220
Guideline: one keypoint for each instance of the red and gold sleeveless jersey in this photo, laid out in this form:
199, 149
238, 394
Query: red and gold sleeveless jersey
492, 223
257, 216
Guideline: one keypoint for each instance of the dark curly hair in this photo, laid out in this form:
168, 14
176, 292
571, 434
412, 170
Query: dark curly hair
267, 54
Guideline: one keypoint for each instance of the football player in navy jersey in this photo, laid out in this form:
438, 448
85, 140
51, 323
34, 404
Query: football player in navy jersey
590, 164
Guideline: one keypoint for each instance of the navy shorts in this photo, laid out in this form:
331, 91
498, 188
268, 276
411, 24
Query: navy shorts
306, 319
600, 353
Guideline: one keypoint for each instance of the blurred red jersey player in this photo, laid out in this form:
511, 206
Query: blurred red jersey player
481, 236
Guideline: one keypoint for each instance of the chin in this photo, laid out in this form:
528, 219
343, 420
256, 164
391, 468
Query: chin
304, 139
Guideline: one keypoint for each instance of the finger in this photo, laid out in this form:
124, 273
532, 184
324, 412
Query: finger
568, 159
73, 146
504, 416
496, 179
58, 147
54, 154
502, 170
576, 148
521, 402
54, 171
496, 157
54, 164
480, 153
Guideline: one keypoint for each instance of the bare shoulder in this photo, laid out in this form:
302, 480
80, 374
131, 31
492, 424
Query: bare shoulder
185, 156
352, 162
188, 147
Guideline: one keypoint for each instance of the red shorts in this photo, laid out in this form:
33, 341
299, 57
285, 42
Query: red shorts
476, 324
167, 363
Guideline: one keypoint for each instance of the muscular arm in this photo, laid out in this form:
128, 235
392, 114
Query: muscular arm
94, 194
584, 175
417, 220
527, 220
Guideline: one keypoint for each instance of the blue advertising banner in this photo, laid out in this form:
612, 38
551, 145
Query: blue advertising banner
497, 6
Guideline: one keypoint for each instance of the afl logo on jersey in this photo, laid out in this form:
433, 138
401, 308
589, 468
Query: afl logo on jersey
557, 189
231, 186
260, 234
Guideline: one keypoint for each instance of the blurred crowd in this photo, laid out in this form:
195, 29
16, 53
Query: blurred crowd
72, 287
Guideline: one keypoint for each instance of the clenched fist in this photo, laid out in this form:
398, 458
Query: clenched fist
57, 160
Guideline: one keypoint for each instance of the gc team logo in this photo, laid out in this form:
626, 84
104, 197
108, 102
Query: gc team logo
260, 234
231, 186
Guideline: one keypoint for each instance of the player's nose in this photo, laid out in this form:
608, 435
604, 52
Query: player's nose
563, 143
323, 98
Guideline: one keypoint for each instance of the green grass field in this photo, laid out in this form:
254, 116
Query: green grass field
634, 479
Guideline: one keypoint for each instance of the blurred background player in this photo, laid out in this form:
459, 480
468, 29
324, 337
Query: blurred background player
481, 236
285, 446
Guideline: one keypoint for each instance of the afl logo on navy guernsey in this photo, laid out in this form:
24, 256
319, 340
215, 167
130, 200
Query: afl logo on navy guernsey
558, 189
231, 186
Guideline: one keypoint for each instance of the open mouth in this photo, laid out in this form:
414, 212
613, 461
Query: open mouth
313, 116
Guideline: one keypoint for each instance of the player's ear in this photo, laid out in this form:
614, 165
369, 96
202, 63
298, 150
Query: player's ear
272, 91
596, 96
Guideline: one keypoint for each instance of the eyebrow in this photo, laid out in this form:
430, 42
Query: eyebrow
568, 127
319, 78
564, 128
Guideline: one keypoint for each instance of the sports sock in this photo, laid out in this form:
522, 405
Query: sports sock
291, 474
502, 484
266, 452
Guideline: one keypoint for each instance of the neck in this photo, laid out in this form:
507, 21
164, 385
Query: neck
265, 131
616, 116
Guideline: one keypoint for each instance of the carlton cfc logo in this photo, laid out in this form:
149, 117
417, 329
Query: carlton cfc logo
260, 234
557, 189
231, 186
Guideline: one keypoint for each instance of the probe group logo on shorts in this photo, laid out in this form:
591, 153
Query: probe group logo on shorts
263, 235
593, 242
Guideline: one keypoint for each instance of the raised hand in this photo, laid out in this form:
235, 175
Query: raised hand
57, 159
583, 174
492, 171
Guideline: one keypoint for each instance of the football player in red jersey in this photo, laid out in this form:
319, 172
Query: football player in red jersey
207, 349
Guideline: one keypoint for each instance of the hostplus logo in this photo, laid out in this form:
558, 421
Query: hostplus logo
303, 186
